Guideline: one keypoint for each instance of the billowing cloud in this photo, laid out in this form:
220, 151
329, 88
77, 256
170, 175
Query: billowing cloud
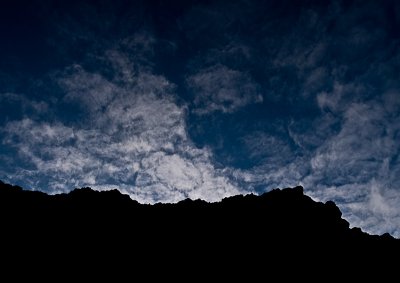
133, 136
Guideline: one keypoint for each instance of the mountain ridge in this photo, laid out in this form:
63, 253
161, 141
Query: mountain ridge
244, 235
84, 200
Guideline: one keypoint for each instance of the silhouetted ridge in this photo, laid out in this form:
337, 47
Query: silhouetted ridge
277, 221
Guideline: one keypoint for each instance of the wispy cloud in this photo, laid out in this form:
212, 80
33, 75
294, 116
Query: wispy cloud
357, 165
268, 148
219, 88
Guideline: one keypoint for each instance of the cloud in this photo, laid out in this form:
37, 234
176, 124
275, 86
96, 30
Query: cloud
93, 90
133, 135
371, 205
362, 143
219, 88
355, 166
340, 97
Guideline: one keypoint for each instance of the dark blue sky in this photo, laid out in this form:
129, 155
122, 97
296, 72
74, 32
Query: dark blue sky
205, 99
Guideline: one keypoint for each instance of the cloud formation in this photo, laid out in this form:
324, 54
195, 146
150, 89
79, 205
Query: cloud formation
133, 136
209, 99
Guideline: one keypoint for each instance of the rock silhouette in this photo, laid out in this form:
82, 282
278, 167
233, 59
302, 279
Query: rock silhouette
280, 223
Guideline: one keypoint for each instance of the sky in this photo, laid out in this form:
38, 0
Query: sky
167, 100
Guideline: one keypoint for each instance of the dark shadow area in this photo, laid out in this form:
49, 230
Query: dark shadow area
239, 231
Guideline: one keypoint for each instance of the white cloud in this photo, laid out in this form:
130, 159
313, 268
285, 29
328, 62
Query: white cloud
178, 172
360, 146
134, 135
92, 89
219, 88
370, 205
377, 202
355, 167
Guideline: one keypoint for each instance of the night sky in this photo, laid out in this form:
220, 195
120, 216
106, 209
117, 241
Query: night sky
166, 100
